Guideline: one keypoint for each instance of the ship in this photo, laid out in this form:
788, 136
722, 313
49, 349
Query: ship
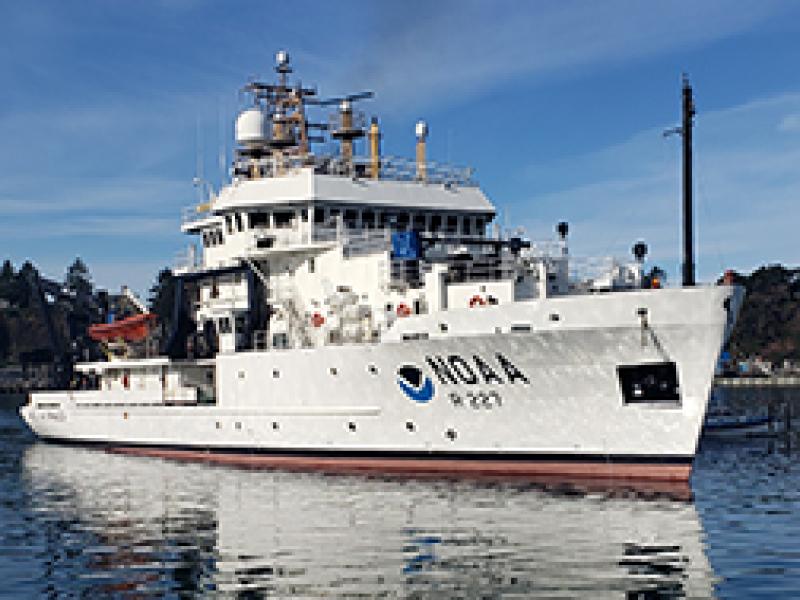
356, 312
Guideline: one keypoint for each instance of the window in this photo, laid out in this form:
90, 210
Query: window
283, 219
436, 223
452, 224
653, 383
480, 226
228, 224
224, 325
239, 226
258, 219
387, 219
311, 265
418, 223
319, 215
368, 219
467, 226
350, 218
402, 221
214, 289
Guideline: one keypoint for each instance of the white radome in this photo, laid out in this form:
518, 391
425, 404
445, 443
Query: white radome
252, 127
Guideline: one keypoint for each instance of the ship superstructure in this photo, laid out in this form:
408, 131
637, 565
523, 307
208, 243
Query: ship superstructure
355, 311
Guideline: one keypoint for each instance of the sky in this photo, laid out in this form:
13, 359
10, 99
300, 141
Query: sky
109, 109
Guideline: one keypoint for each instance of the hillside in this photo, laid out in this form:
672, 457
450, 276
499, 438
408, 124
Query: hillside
769, 323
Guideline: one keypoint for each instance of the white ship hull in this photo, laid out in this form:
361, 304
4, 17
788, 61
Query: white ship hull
506, 390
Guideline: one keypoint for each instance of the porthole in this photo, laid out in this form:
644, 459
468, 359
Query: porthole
276, 373
237, 425
372, 369
451, 434
410, 426
351, 426
333, 371
218, 425
443, 327
124, 415
555, 317
275, 425
241, 374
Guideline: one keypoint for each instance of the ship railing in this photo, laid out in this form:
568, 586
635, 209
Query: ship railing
361, 167
366, 241
187, 259
603, 273
195, 212
502, 270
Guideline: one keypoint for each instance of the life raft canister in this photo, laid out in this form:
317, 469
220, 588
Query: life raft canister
317, 320
476, 301
403, 310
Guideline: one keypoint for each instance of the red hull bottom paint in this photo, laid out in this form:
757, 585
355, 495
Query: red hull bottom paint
664, 472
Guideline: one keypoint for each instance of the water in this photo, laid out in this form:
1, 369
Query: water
84, 523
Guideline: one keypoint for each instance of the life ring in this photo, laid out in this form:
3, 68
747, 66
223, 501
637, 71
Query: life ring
403, 310
317, 320
476, 301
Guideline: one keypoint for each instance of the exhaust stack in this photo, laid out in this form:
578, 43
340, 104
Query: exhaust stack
422, 136
374, 149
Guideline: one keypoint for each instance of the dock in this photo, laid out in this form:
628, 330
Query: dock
778, 395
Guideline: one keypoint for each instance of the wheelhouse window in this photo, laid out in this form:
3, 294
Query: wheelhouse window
283, 219
228, 224
368, 219
468, 226
258, 220
436, 223
238, 218
351, 218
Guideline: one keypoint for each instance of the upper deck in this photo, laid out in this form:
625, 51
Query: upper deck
305, 185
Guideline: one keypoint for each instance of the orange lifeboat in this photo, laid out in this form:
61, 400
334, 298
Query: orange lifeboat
132, 329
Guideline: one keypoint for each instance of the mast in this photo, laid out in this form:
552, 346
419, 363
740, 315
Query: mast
688, 233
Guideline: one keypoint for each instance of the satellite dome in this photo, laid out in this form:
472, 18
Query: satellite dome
252, 128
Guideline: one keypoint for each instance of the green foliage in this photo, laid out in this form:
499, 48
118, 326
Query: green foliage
78, 280
162, 297
5, 340
769, 322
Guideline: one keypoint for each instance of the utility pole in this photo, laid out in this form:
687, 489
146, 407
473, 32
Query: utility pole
688, 228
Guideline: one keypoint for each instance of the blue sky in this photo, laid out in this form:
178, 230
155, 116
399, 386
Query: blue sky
108, 109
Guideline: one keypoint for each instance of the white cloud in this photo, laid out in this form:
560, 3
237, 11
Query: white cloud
790, 124
422, 53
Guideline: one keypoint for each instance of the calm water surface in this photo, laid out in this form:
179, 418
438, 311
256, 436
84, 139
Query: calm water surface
84, 523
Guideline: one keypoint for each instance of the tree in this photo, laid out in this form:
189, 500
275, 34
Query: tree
5, 341
78, 280
8, 282
162, 296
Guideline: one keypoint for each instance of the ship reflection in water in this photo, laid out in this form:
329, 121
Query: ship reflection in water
146, 527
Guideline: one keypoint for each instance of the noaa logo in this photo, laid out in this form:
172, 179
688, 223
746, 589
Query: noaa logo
415, 384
